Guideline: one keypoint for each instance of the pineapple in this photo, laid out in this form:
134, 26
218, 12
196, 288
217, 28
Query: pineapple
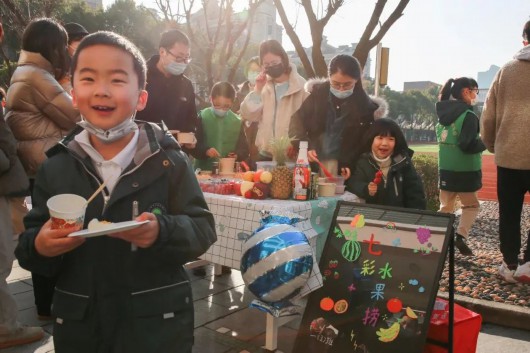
282, 176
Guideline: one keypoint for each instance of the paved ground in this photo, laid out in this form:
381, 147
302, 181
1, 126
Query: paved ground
225, 324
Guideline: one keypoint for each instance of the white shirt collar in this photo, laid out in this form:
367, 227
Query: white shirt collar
123, 158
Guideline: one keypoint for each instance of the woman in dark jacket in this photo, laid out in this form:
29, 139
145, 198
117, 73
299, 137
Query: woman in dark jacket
336, 115
385, 175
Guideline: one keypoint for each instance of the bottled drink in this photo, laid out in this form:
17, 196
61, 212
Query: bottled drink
302, 174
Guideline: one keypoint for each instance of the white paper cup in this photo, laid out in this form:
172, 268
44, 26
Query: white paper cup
186, 137
67, 210
226, 165
326, 189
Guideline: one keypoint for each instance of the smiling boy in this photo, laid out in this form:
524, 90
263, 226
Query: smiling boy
125, 292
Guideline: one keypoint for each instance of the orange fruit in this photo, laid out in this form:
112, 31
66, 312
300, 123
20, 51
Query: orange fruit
326, 304
248, 176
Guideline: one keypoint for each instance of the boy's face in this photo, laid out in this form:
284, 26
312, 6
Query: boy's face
105, 86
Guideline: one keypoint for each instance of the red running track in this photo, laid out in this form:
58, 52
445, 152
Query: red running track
489, 180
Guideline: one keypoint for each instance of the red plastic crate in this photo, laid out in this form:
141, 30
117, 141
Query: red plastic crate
467, 326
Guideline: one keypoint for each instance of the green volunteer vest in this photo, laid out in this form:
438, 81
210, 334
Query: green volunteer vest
220, 133
450, 156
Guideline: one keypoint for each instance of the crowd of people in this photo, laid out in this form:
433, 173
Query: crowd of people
85, 110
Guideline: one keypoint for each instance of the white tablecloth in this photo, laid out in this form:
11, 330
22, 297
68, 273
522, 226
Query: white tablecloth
236, 218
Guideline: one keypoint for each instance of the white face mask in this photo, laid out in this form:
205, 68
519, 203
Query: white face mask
175, 68
113, 134
473, 101
251, 76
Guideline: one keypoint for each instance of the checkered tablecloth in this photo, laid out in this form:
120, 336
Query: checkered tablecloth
236, 218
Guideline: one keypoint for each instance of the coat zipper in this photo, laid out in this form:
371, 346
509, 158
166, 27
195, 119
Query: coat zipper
106, 197
159, 288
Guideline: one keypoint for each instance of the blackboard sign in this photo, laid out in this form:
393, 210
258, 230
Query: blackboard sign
381, 267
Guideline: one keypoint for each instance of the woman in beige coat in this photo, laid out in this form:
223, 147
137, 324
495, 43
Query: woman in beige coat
277, 95
40, 112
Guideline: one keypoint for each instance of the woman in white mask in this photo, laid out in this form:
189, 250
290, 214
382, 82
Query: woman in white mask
336, 116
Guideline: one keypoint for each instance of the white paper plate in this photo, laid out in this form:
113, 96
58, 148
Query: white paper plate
114, 228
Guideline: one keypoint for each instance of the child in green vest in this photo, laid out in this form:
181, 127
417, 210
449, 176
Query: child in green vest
220, 131
460, 154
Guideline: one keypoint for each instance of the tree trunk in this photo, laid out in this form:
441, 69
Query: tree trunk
294, 39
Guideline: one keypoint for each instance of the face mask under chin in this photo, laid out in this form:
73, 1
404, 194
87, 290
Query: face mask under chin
113, 134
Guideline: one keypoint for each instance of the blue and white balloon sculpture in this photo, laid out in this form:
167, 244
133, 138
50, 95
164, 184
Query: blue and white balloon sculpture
277, 260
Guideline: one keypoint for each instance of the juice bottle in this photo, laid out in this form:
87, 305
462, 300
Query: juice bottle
302, 174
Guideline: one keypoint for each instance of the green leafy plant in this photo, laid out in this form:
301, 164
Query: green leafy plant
278, 148
427, 167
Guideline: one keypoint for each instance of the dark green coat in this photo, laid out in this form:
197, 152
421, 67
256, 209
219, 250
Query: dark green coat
402, 187
108, 297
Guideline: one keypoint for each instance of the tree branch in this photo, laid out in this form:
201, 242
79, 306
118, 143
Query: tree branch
294, 39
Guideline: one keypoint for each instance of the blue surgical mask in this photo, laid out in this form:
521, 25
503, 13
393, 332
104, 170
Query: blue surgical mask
175, 68
341, 94
113, 134
219, 112
251, 76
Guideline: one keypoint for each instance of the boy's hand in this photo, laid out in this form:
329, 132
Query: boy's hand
143, 236
54, 242
345, 173
372, 189
312, 156
212, 153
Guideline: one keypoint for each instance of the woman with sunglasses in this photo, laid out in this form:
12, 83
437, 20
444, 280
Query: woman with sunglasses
336, 115
460, 154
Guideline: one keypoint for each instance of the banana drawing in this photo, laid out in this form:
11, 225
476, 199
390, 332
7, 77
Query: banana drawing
389, 334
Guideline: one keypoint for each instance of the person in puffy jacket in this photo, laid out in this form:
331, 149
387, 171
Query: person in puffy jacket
13, 180
127, 291
336, 116
40, 112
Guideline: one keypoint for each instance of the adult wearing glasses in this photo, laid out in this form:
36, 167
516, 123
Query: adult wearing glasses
278, 93
171, 94
460, 154
336, 116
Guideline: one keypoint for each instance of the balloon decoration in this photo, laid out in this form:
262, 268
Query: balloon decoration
277, 260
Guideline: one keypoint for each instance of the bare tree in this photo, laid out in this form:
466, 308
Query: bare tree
367, 42
220, 39
318, 21
168, 12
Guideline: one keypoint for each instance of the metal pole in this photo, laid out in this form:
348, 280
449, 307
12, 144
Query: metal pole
378, 68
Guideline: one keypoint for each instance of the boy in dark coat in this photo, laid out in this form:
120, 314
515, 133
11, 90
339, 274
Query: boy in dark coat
127, 291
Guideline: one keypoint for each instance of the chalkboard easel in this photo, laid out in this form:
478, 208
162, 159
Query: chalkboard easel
381, 268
